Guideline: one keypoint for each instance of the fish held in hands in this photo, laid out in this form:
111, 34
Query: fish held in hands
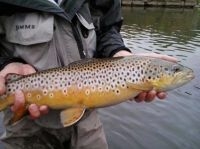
94, 83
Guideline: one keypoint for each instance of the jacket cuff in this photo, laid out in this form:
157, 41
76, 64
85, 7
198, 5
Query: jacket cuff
7, 60
119, 49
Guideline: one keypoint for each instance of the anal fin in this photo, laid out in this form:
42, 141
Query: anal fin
71, 116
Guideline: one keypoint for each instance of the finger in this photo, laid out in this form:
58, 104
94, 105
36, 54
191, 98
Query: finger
34, 111
169, 58
150, 96
161, 95
141, 97
12, 68
165, 57
19, 101
17, 68
28, 69
122, 53
2, 85
43, 110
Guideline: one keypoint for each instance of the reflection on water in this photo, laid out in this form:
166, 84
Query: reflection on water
175, 122
174, 32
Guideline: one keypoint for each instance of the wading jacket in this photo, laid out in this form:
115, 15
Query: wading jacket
45, 34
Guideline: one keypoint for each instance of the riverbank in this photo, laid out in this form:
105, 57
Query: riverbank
160, 3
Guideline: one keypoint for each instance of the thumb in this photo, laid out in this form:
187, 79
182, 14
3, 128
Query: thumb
2, 85
28, 69
19, 101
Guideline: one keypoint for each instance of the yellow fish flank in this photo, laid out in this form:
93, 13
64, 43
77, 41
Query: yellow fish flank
95, 83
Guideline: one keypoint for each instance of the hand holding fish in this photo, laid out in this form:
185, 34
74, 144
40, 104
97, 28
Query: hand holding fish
151, 95
22, 69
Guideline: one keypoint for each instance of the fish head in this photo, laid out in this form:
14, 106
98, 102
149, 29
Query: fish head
170, 75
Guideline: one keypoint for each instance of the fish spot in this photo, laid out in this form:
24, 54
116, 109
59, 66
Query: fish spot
65, 91
87, 92
123, 85
93, 89
118, 82
80, 86
68, 84
107, 88
51, 95
27, 86
45, 92
29, 95
38, 97
117, 91
100, 89
85, 83
51, 87
112, 86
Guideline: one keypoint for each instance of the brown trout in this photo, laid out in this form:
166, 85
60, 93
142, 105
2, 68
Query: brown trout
95, 83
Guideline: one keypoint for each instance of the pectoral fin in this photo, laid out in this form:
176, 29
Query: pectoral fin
141, 87
71, 116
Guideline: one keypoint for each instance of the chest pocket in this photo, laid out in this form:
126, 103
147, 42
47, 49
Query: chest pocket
28, 29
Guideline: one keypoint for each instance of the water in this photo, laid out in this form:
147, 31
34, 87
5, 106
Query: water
175, 122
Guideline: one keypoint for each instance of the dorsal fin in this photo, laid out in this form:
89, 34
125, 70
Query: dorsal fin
13, 77
89, 60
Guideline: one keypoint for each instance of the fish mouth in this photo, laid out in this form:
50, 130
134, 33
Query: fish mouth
190, 75
185, 77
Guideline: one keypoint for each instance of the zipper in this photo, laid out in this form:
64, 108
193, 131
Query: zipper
77, 37
59, 53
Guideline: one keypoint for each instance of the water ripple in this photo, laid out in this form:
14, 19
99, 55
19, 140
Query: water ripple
174, 122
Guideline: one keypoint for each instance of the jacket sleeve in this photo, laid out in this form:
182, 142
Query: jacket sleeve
107, 20
5, 58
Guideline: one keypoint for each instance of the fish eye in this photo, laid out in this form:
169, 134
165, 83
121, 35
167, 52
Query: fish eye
176, 68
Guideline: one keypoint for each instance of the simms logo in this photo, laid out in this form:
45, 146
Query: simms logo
25, 27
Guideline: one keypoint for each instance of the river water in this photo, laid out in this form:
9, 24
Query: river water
175, 122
